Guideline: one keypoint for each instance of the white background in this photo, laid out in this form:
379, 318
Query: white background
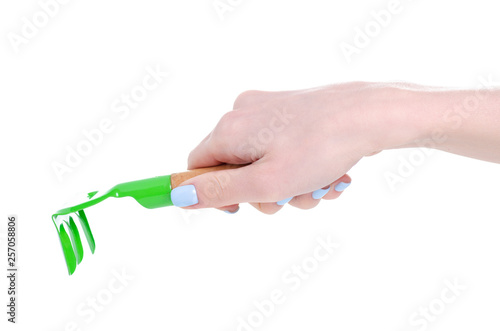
203, 271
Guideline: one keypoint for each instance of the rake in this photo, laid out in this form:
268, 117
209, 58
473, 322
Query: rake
149, 193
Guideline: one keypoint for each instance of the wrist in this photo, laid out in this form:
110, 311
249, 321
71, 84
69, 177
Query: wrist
405, 118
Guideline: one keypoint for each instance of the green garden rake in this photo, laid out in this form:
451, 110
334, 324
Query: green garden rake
150, 193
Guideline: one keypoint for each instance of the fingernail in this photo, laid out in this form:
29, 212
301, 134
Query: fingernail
232, 212
318, 194
341, 186
184, 196
284, 201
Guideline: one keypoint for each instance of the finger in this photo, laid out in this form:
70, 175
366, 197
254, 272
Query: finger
225, 188
201, 155
304, 201
268, 208
332, 191
338, 187
233, 209
222, 144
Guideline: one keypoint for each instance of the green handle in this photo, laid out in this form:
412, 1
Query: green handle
150, 193
155, 192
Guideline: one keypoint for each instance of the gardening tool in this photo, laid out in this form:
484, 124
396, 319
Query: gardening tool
150, 193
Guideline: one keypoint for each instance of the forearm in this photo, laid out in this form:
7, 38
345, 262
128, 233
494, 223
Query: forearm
465, 122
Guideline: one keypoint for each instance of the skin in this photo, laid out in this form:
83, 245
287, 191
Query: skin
296, 142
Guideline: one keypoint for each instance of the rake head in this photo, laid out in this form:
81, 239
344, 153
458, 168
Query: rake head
150, 193
69, 236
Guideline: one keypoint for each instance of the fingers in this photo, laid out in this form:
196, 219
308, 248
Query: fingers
266, 208
216, 148
309, 200
234, 141
224, 188
202, 156
304, 201
337, 187
333, 191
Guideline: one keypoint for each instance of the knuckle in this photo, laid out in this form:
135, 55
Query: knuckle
245, 98
227, 126
216, 188
191, 157
304, 202
266, 208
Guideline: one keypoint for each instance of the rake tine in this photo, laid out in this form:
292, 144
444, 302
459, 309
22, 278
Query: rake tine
67, 247
75, 240
86, 229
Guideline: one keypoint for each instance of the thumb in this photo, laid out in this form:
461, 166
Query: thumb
223, 188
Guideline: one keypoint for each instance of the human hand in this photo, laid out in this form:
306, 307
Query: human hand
297, 144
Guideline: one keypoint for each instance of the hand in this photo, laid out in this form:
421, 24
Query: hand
298, 144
